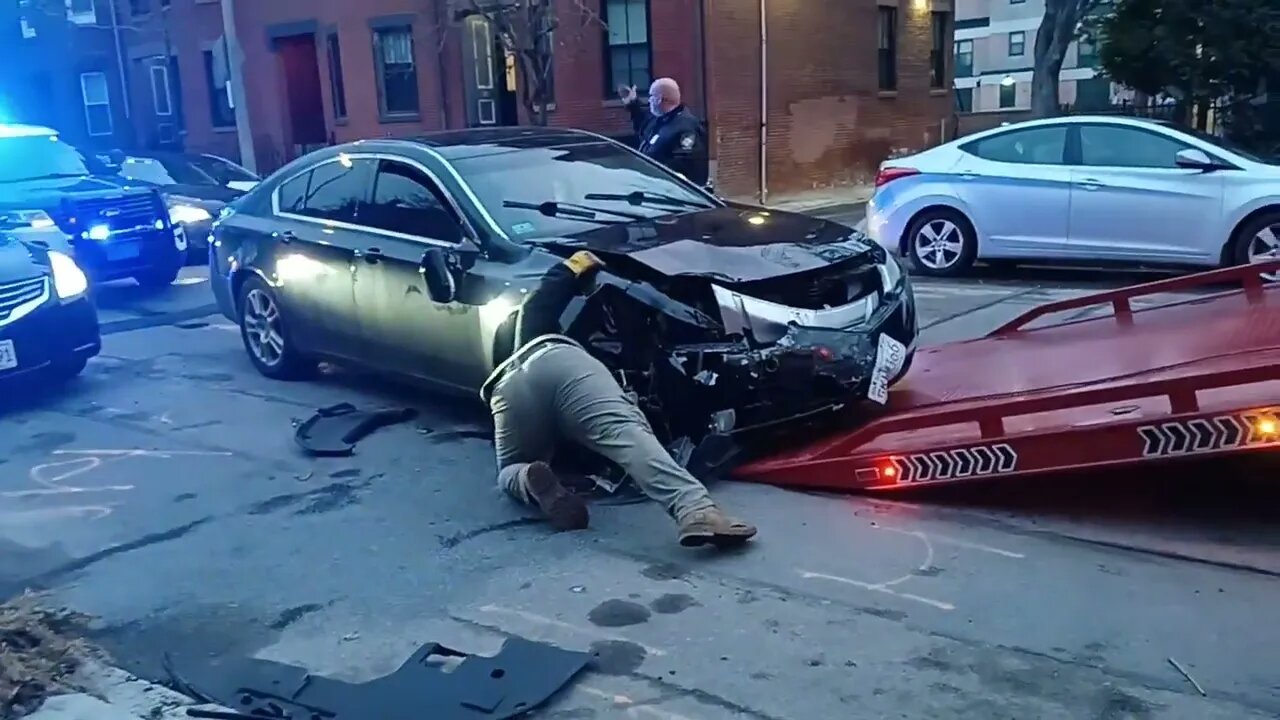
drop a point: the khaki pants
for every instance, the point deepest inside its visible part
(564, 393)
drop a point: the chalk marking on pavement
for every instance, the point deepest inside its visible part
(887, 586)
(635, 709)
(577, 629)
(945, 540)
(124, 452)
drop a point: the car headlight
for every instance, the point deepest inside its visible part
(34, 219)
(182, 213)
(890, 273)
(69, 280)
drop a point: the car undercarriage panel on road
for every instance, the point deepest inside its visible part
(1200, 377)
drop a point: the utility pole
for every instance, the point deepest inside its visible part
(236, 94)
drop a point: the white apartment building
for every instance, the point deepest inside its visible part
(994, 50)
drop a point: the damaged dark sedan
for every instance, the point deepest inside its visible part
(412, 256)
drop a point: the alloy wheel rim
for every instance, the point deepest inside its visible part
(1265, 246)
(262, 327)
(939, 244)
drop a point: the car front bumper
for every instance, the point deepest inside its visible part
(55, 334)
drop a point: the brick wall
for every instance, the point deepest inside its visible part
(828, 124)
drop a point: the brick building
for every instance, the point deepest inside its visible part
(797, 95)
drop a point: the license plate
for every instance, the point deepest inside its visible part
(8, 355)
(890, 356)
(122, 251)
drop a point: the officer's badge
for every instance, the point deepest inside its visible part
(687, 141)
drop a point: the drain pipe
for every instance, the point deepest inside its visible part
(764, 104)
(120, 66)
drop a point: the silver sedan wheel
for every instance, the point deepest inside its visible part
(262, 327)
(939, 244)
(1265, 246)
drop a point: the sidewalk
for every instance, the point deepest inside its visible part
(849, 196)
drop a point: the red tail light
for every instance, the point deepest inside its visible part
(889, 174)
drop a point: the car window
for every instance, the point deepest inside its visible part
(406, 200)
(293, 192)
(335, 189)
(1115, 146)
(147, 170)
(567, 175)
(222, 171)
(1032, 146)
(36, 157)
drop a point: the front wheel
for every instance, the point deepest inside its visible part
(941, 242)
(266, 339)
(1259, 241)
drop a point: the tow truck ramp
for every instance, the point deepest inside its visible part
(1196, 377)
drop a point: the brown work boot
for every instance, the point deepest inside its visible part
(712, 526)
(563, 509)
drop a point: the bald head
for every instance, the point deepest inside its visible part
(664, 95)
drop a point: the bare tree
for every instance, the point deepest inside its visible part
(527, 30)
(1058, 28)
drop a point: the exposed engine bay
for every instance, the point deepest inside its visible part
(704, 355)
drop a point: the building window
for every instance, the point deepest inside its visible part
(1086, 53)
(627, 54)
(337, 86)
(964, 100)
(161, 97)
(397, 76)
(82, 12)
(1008, 95)
(221, 114)
(1017, 43)
(97, 103)
(887, 48)
(938, 51)
(964, 58)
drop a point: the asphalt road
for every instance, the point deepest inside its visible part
(162, 493)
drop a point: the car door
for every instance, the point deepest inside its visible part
(1131, 201)
(407, 214)
(1017, 187)
(317, 238)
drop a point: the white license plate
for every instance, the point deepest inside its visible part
(890, 356)
(8, 355)
(122, 251)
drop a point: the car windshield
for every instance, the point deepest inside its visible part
(1223, 143)
(222, 171)
(158, 172)
(35, 157)
(570, 175)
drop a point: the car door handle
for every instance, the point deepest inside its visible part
(287, 237)
(371, 255)
(969, 176)
(1089, 184)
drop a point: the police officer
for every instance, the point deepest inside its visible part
(667, 131)
(551, 390)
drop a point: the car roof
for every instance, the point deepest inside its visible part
(8, 130)
(473, 142)
(1129, 120)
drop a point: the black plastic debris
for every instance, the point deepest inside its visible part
(335, 430)
(523, 676)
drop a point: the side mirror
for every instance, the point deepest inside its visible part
(1194, 159)
(438, 272)
(710, 186)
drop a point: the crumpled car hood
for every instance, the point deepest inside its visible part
(728, 244)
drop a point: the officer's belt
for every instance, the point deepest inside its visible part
(523, 356)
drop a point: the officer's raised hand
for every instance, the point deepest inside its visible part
(627, 94)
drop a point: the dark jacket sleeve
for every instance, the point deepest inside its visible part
(541, 310)
(689, 150)
(639, 114)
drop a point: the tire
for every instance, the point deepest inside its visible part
(274, 355)
(1252, 241)
(159, 277)
(942, 223)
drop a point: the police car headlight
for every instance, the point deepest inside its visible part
(182, 213)
(69, 280)
(890, 273)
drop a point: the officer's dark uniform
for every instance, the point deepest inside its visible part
(677, 139)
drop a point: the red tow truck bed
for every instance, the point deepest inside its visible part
(1196, 377)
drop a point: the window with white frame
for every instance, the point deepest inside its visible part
(627, 53)
(396, 71)
(97, 103)
(1017, 43)
(161, 97)
(964, 58)
(82, 12)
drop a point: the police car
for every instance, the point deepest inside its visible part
(48, 325)
(113, 228)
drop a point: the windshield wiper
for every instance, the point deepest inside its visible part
(50, 176)
(576, 211)
(639, 197)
